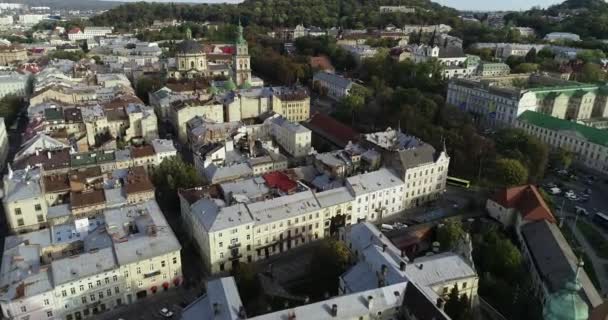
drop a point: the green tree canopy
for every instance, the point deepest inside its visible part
(510, 172)
(591, 73)
(170, 176)
(450, 233)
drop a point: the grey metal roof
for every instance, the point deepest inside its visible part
(336, 80)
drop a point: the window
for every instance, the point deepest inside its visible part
(40, 218)
(116, 290)
(138, 270)
(90, 285)
(109, 292)
(20, 222)
(92, 297)
(100, 295)
(81, 287)
(107, 280)
(18, 211)
(98, 283)
(37, 207)
(174, 260)
(64, 293)
(162, 264)
(46, 302)
(115, 278)
(221, 244)
(84, 299)
(73, 290)
(49, 314)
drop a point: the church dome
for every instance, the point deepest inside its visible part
(567, 304)
(189, 46)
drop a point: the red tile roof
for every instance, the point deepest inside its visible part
(321, 62)
(142, 152)
(332, 129)
(527, 200)
(280, 181)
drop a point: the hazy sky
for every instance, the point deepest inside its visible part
(496, 4)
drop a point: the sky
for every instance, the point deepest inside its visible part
(496, 4)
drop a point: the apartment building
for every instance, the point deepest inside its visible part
(184, 110)
(377, 195)
(24, 203)
(13, 83)
(294, 138)
(423, 169)
(142, 123)
(82, 268)
(493, 69)
(381, 284)
(293, 103)
(12, 54)
(500, 104)
(588, 144)
(336, 86)
(89, 33)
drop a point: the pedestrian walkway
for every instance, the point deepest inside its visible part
(599, 264)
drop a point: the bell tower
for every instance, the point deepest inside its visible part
(241, 61)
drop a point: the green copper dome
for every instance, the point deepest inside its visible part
(229, 85)
(246, 85)
(567, 304)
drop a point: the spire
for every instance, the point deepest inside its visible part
(239, 34)
(579, 266)
(188, 34)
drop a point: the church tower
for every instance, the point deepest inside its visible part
(241, 62)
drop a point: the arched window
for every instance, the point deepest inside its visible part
(192, 64)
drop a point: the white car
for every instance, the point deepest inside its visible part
(166, 313)
(555, 190)
(580, 210)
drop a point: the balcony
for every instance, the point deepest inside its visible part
(234, 245)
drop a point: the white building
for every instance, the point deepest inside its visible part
(401, 9)
(31, 19)
(80, 269)
(294, 138)
(182, 111)
(337, 86)
(3, 144)
(562, 36)
(377, 195)
(589, 145)
(526, 31)
(24, 203)
(13, 83)
(142, 122)
(6, 20)
(88, 33)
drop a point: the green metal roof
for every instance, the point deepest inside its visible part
(592, 135)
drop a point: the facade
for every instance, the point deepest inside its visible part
(12, 54)
(486, 69)
(89, 33)
(336, 86)
(294, 138)
(13, 83)
(293, 103)
(562, 36)
(589, 145)
(183, 111)
(24, 203)
(4, 145)
(401, 9)
(500, 105)
(241, 63)
(80, 269)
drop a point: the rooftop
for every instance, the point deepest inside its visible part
(527, 200)
(373, 181)
(591, 134)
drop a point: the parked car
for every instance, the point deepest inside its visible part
(581, 210)
(555, 190)
(165, 312)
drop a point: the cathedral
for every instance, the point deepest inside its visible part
(191, 61)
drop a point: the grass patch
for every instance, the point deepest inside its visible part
(595, 239)
(576, 247)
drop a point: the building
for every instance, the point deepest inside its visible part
(4, 144)
(360, 51)
(496, 69)
(293, 103)
(516, 206)
(552, 263)
(384, 285)
(334, 85)
(561, 36)
(439, 28)
(82, 268)
(12, 54)
(31, 19)
(294, 138)
(142, 123)
(13, 83)
(496, 102)
(185, 110)
(23, 200)
(401, 9)
(589, 145)
(241, 60)
(89, 33)
(423, 169)
(526, 31)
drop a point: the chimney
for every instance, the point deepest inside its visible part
(370, 302)
(48, 154)
(440, 303)
(242, 314)
(402, 265)
(37, 152)
(334, 310)
(384, 247)
(216, 308)
(421, 266)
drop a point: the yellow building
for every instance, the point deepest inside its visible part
(11, 54)
(292, 103)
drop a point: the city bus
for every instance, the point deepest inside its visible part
(458, 182)
(601, 219)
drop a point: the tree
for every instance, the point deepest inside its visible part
(593, 56)
(531, 56)
(457, 305)
(591, 73)
(170, 176)
(526, 68)
(329, 261)
(510, 172)
(10, 106)
(145, 85)
(450, 233)
(562, 158)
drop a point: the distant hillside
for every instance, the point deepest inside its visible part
(587, 18)
(279, 13)
(71, 4)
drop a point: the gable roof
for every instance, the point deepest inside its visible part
(591, 134)
(527, 200)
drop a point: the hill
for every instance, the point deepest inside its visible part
(280, 13)
(71, 4)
